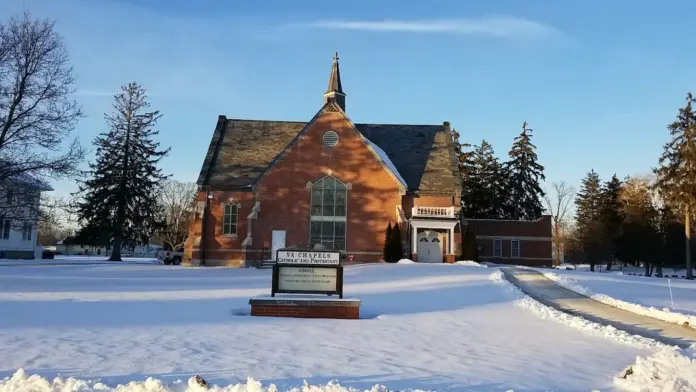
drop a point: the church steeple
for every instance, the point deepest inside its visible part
(335, 90)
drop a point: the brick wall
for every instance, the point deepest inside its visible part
(534, 239)
(284, 198)
(335, 312)
(537, 228)
(221, 249)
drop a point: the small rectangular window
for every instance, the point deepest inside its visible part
(327, 229)
(10, 196)
(315, 228)
(497, 248)
(5, 234)
(229, 219)
(515, 248)
(26, 231)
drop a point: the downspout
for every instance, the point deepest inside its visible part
(204, 231)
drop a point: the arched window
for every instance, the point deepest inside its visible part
(328, 213)
(229, 219)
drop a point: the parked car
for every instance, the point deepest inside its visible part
(169, 257)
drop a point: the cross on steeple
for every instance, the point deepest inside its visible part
(335, 90)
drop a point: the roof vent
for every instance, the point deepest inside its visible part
(330, 139)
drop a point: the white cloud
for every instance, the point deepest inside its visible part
(498, 26)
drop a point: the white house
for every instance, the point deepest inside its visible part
(19, 202)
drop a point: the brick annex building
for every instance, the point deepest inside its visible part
(266, 185)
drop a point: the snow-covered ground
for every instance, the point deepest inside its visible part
(433, 327)
(648, 296)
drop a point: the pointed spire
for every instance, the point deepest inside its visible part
(335, 90)
(335, 78)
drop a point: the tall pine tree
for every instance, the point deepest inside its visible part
(611, 218)
(676, 175)
(524, 174)
(588, 204)
(120, 195)
(484, 184)
(461, 150)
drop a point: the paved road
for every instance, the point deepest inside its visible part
(537, 286)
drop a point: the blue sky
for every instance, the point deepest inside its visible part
(597, 80)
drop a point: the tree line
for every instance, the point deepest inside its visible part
(124, 198)
(641, 221)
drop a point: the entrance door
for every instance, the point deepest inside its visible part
(429, 247)
(277, 242)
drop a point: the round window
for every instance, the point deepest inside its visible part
(330, 139)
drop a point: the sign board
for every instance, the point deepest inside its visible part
(307, 279)
(351, 257)
(307, 272)
(304, 257)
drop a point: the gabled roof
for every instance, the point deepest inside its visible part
(423, 154)
(28, 180)
(241, 151)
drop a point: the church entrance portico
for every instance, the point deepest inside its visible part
(432, 240)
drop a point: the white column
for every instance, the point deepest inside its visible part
(451, 241)
(414, 235)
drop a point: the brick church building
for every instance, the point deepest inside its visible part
(267, 185)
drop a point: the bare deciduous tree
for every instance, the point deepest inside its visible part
(558, 205)
(176, 203)
(52, 221)
(37, 114)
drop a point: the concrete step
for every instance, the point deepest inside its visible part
(268, 264)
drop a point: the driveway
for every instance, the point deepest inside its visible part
(537, 286)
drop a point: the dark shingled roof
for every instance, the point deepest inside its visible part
(423, 154)
(243, 149)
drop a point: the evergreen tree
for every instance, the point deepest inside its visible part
(524, 174)
(469, 246)
(386, 251)
(396, 251)
(484, 185)
(461, 151)
(673, 236)
(588, 203)
(641, 240)
(120, 195)
(611, 218)
(676, 175)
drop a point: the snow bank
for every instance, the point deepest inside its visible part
(406, 261)
(20, 381)
(669, 369)
(470, 263)
(661, 314)
(576, 322)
